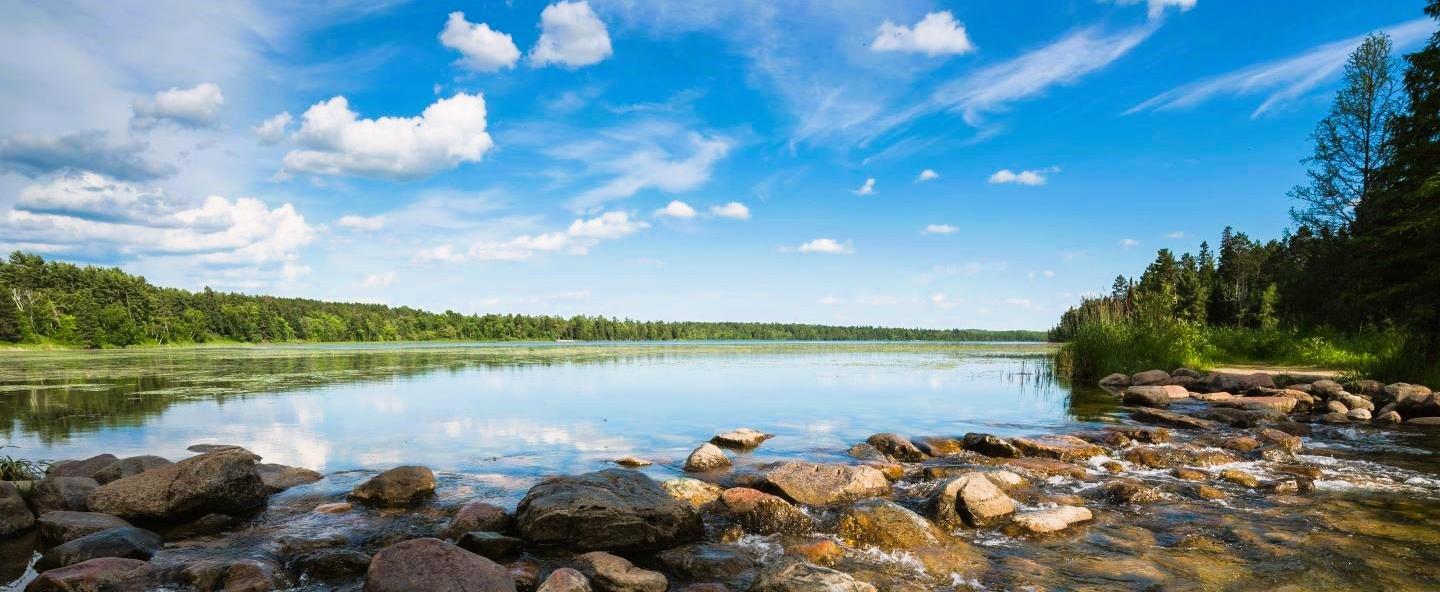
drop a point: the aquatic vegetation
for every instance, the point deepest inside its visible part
(20, 469)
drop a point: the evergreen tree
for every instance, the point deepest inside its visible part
(10, 321)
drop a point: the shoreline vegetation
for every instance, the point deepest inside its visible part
(1355, 286)
(57, 305)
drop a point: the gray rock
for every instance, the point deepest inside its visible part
(225, 482)
(792, 575)
(609, 573)
(742, 438)
(1116, 380)
(479, 516)
(15, 516)
(990, 445)
(70, 494)
(707, 457)
(823, 485)
(278, 478)
(62, 527)
(1147, 396)
(396, 487)
(490, 545)
(329, 565)
(971, 499)
(226, 575)
(81, 468)
(1149, 377)
(127, 467)
(613, 509)
(123, 542)
(434, 565)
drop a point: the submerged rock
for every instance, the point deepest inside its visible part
(434, 565)
(1047, 467)
(1116, 380)
(1126, 491)
(605, 510)
(695, 492)
(105, 574)
(896, 446)
(124, 542)
(224, 482)
(971, 499)
(1058, 447)
(707, 457)
(1240, 477)
(938, 446)
(823, 485)
(1052, 520)
(791, 575)
(278, 478)
(990, 445)
(615, 574)
(1172, 419)
(216, 575)
(711, 562)
(741, 438)
(632, 462)
(329, 565)
(396, 487)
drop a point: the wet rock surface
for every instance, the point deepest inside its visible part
(225, 481)
(607, 510)
(434, 565)
(821, 485)
(396, 487)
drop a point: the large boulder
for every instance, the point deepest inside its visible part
(62, 527)
(127, 467)
(55, 494)
(1058, 447)
(971, 499)
(742, 438)
(434, 565)
(707, 457)
(613, 509)
(225, 574)
(278, 478)
(1281, 404)
(1215, 382)
(1413, 400)
(110, 574)
(124, 542)
(711, 562)
(888, 525)
(1146, 396)
(695, 492)
(81, 468)
(615, 574)
(480, 516)
(1149, 377)
(1116, 380)
(897, 447)
(330, 565)
(490, 545)
(225, 482)
(793, 575)
(396, 487)
(823, 485)
(15, 516)
(989, 445)
(761, 513)
(1171, 419)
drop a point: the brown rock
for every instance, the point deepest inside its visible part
(1052, 520)
(127, 467)
(1292, 444)
(61, 527)
(1046, 467)
(1188, 474)
(1241, 478)
(565, 580)
(1058, 447)
(81, 468)
(434, 565)
(278, 478)
(896, 446)
(990, 445)
(707, 457)
(1149, 377)
(396, 487)
(822, 485)
(971, 499)
(223, 482)
(819, 552)
(695, 492)
(742, 438)
(612, 509)
(791, 575)
(888, 525)
(105, 574)
(1172, 419)
(632, 462)
(938, 446)
(1241, 443)
(614, 574)
(762, 513)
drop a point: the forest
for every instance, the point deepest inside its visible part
(1354, 283)
(57, 303)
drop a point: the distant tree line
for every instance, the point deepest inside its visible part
(1364, 255)
(55, 302)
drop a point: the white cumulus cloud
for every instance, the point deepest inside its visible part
(733, 210)
(940, 229)
(272, 131)
(676, 209)
(936, 34)
(866, 188)
(335, 141)
(485, 49)
(1156, 8)
(378, 280)
(1027, 177)
(190, 107)
(577, 239)
(927, 175)
(570, 36)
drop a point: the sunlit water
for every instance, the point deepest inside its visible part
(493, 419)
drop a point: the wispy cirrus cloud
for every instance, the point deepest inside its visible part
(1281, 81)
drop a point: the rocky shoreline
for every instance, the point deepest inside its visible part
(903, 513)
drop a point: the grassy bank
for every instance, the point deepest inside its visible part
(1102, 347)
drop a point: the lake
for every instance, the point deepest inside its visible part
(494, 418)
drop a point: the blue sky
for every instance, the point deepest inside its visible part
(912, 163)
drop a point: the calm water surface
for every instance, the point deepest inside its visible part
(493, 419)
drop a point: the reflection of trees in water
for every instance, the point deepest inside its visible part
(1035, 376)
(53, 395)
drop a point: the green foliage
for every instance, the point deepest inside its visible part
(1130, 345)
(10, 328)
(96, 307)
(20, 469)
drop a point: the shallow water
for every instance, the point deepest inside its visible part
(493, 419)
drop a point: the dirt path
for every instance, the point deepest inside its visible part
(1268, 369)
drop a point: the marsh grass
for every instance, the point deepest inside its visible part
(20, 469)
